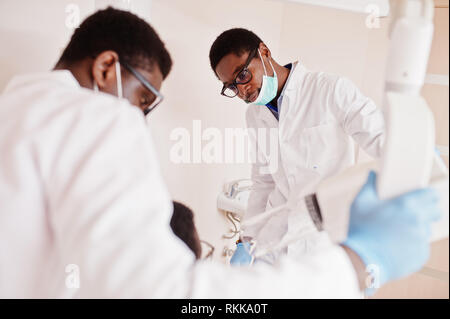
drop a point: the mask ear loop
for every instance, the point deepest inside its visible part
(265, 71)
(119, 80)
(270, 62)
(273, 69)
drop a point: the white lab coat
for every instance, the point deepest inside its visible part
(320, 117)
(81, 197)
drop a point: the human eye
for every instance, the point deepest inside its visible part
(144, 101)
(243, 76)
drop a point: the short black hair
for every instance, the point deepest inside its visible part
(133, 39)
(237, 41)
(183, 226)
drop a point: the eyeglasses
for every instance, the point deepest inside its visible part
(158, 96)
(243, 77)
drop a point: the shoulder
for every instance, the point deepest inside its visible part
(99, 105)
(84, 109)
(55, 99)
(334, 86)
(344, 84)
(323, 80)
(83, 118)
(104, 119)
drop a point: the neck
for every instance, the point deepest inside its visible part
(79, 71)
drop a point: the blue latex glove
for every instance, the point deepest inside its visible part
(392, 236)
(437, 151)
(241, 256)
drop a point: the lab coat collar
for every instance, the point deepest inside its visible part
(64, 77)
(266, 116)
(291, 84)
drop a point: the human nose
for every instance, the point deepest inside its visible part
(242, 90)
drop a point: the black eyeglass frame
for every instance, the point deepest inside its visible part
(235, 83)
(158, 96)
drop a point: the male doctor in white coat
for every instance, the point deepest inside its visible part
(318, 117)
(84, 212)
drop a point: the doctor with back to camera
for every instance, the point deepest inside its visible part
(319, 116)
(84, 212)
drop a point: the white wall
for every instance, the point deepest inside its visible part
(34, 33)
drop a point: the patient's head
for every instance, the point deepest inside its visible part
(183, 226)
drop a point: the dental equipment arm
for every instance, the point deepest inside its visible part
(408, 161)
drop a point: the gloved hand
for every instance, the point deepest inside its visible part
(393, 235)
(437, 151)
(241, 256)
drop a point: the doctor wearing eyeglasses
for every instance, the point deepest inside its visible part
(85, 212)
(320, 119)
(107, 76)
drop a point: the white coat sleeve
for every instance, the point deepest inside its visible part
(110, 217)
(360, 117)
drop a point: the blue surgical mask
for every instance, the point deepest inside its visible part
(269, 86)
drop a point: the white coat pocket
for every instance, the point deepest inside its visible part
(328, 149)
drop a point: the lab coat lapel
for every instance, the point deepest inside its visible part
(267, 117)
(289, 93)
(288, 111)
(269, 121)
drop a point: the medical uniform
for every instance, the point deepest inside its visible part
(319, 119)
(84, 212)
